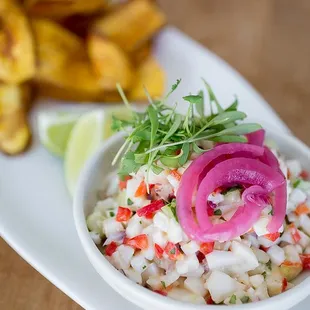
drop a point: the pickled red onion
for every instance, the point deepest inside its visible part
(226, 165)
(256, 137)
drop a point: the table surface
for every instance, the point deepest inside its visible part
(267, 41)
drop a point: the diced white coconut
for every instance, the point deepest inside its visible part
(287, 237)
(245, 253)
(222, 260)
(190, 248)
(260, 227)
(265, 242)
(174, 232)
(276, 254)
(154, 283)
(149, 253)
(185, 296)
(244, 278)
(187, 264)
(134, 227)
(305, 223)
(161, 221)
(256, 280)
(220, 285)
(246, 242)
(294, 166)
(195, 285)
(304, 239)
(216, 198)
(94, 222)
(299, 248)
(258, 270)
(159, 237)
(290, 206)
(251, 294)
(261, 292)
(126, 254)
(152, 271)
(111, 226)
(297, 196)
(173, 182)
(112, 184)
(261, 256)
(95, 236)
(253, 240)
(292, 217)
(139, 263)
(170, 277)
(291, 253)
(232, 198)
(196, 273)
(133, 275)
(228, 214)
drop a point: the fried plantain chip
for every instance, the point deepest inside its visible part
(14, 130)
(131, 25)
(111, 64)
(150, 75)
(62, 8)
(63, 62)
(17, 62)
(141, 53)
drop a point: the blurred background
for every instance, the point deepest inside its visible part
(267, 41)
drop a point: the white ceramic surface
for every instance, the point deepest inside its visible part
(35, 209)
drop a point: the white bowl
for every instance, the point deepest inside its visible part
(92, 180)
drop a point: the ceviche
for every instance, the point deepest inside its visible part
(202, 208)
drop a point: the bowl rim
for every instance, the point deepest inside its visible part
(136, 293)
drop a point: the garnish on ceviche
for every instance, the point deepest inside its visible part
(202, 210)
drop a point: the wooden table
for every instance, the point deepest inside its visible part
(267, 41)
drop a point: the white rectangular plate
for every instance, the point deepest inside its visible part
(36, 214)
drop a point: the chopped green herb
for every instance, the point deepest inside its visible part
(217, 212)
(170, 210)
(271, 212)
(152, 135)
(268, 264)
(245, 299)
(143, 267)
(172, 251)
(296, 183)
(264, 274)
(112, 213)
(129, 202)
(233, 299)
(140, 222)
(163, 284)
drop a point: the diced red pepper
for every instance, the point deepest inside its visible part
(151, 208)
(304, 175)
(284, 284)
(141, 190)
(209, 300)
(302, 208)
(160, 292)
(110, 249)
(305, 258)
(272, 237)
(172, 251)
(218, 190)
(263, 248)
(123, 214)
(139, 242)
(206, 247)
(176, 174)
(294, 232)
(159, 251)
(200, 256)
(123, 183)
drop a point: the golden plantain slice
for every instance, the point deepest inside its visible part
(141, 53)
(14, 130)
(63, 62)
(131, 25)
(17, 61)
(110, 63)
(150, 75)
(62, 8)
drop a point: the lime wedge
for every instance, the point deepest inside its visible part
(88, 133)
(54, 130)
